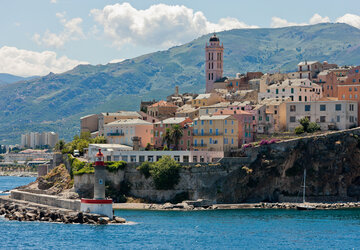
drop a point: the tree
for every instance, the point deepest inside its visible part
(99, 140)
(305, 123)
(167, 139)
(313, 127)
(60, 145)
(176, 134)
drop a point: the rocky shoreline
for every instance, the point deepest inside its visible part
(205, 205)
(18, 174)
(22, 211)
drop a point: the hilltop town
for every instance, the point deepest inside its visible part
(234, 113)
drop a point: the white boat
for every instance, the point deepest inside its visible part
(304, 206)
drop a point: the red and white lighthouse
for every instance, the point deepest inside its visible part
(99, 204)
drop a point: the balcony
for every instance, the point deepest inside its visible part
(208, 134)
(199, 145)
(115, 134)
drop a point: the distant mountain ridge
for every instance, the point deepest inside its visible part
(8, 78)
(57, 101)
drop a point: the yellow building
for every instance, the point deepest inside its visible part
(206, 100)
(215, 133)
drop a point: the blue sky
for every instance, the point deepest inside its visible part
(55, 35)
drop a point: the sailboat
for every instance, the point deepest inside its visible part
(304, 206)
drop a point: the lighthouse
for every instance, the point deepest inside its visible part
(99, 204)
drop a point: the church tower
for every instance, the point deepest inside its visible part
(214, 55)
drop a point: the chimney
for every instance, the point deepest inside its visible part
(176, 90)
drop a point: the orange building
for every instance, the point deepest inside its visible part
(350, 89)
(330, 79)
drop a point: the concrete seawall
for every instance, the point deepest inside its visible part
(49, 200)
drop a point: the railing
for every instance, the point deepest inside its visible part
(208, 134)
(115, 134)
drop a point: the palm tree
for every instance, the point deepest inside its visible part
(176, 134)
(167, 139)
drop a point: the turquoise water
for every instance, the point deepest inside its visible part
(231, 229)
(10, 182)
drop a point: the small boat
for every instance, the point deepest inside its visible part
(304, 206)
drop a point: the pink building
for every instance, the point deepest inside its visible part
(160, 129)
(246, 131)
(214, 55)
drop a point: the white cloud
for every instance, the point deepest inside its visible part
(116, 60)
(53, 1)
(277, 22)
(316, 18)
(351, 19)
(72, 31)
(28, 63)
(160, 25)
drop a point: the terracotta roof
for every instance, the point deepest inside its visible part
(163, 103)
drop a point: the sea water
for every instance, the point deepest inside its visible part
(216, 229)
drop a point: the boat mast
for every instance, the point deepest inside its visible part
(304, 185)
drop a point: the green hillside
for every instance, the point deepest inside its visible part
(57, 101)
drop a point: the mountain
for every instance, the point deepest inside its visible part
(57, 101)
(8, 78)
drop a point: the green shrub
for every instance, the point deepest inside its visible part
(299, 130)
(114, 166)
(87, 169)
(305, 123)
(144, 168)
(165, 173)
(313, 127)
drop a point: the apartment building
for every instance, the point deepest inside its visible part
(206, 100)
(302, 90)
(309, 70)
(105, 118)
(246, 132)
(162, 110)
(123, 132)
(186, 140)
(38, 140)
(329, 114)
(215, 133)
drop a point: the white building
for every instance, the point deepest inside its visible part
(328, 114)
(302, 90)
(36, 140)
(115, 152)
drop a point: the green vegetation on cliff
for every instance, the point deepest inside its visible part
(56, 102)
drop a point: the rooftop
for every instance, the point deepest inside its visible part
(294, 83)
(173, 120)
(163, 103)
(111, 146)
(203, 96)
(212, 117)
(129, 122)
(307, 63)
(232, 112)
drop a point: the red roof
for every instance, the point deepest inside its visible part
(163, 103)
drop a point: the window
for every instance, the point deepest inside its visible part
(267, 118)
(283, 90)
(350, 89)
(322, 118)
(292, 90)
(277, 91)
(232, 122)
(225, 131)
(195, 122)
(354, 80)
(338, 118)
(253, 118)
(268, 90)
(225, 122)
(195, 131)
(292, 119)
(189, 133)
(299, 98)
(232, 141)
(195, 142)
(210, 122)
(226, 141)
(202, 132)
(182, 142)
(322, 107)
(350, 96)
(260, 118)
(351, 118)
(355, 89)
(356, 96)
(292, 108)
(232, 131)
(202, 122)
(217, 131)
(305, 98)
(343, 96)
(307, 107)
(210, 131)
(351, 107)
(210, 141)
(338, 107)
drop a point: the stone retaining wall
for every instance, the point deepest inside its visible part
(49, 200)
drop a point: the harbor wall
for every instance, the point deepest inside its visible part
(267, 173)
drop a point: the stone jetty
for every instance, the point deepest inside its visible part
(27, 211)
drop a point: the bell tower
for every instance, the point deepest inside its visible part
(214, 55)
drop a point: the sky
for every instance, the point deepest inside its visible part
(43, 36)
